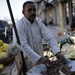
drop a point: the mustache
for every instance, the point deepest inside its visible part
(33, 15)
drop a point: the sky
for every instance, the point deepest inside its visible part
(16, 6)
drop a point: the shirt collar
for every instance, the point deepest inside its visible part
(28, 21)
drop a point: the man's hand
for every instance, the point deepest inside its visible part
(44, 60)
(61, 57)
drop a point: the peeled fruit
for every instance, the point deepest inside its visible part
(1, 67)
(69, 51)
(2, 54)
(5, 47)
(67, 56)
(70, 55)
(1, 42)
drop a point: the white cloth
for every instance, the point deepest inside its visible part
(31, 35)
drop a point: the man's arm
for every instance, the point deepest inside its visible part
(49, 38)
(47, 35)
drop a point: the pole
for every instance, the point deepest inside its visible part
(70, 13)
(60, 15)
(24, 68)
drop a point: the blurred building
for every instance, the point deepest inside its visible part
(48, 11)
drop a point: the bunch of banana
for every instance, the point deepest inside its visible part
(3, 53)
(70, 54)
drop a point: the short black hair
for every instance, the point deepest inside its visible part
(27, 2)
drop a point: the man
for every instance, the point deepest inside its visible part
(31, 31)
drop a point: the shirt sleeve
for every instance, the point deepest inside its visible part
(48, 37)
(34, 57)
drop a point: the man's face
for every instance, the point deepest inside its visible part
(30, 12)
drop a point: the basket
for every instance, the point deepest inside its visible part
(7, 60)
(12, 51)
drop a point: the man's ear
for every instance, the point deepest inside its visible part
(23, 12)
